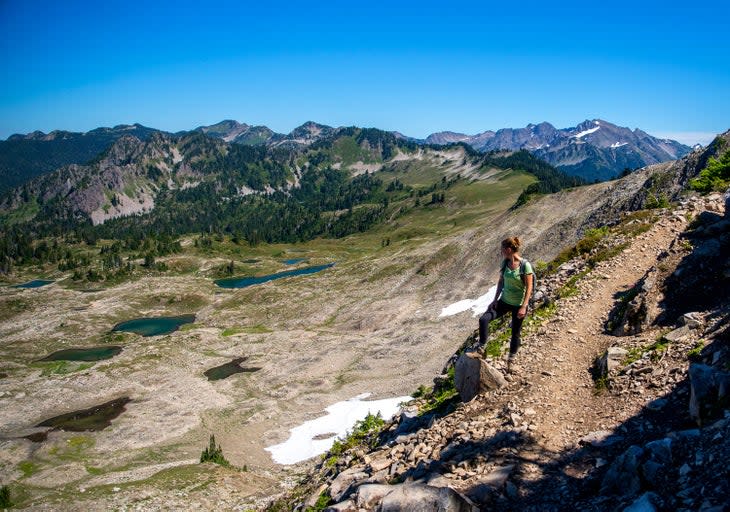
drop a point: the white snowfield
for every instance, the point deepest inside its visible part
(586, 132)
(618, 144)
(342, 416)
(477, 306)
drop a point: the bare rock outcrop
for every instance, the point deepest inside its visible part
(473, 375)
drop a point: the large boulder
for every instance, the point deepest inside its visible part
(346, 482)
(710, 392)
(623, 478)
(414, 497)
(612, 359)
(473, 375)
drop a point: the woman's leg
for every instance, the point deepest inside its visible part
(488, 316)
(514, 344)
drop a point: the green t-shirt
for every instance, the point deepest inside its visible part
(514, 289)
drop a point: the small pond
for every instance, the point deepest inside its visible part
(226, 370)
(154, 326)
(84, 354)
(94, 418)
(35, 283)
(294, 261)
(243, 282)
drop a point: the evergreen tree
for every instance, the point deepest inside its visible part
(213, 453)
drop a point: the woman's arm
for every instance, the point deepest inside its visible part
(500, 285)
(528, 293)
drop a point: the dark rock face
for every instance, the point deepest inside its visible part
(710, 392)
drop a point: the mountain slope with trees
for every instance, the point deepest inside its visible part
(23, 157)
(171, 185)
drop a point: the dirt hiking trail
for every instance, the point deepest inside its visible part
(552, 396)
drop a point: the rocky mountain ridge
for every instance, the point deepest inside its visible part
(23, 157)
(240, 133)
(129, 176)
(123, 181)
(594, 149)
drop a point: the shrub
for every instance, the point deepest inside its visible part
(322, 503)
(5, 497)
(214, 453)
(654, 201)
(441, 395)
(364, 432)
(421, 391)
(714, 177)
(694, 354)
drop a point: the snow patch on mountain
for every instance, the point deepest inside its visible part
(586, 132)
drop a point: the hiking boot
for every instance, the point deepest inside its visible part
(511, 367)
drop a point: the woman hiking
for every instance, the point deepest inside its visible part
(515, 287)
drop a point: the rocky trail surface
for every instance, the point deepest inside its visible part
(559, 436)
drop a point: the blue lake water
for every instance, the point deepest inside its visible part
(84, 354)
(243, 282)
(294, 261)
(35, 283)
(154, 326)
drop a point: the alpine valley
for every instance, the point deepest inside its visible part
(126, 343)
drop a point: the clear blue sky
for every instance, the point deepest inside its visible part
(415, 67)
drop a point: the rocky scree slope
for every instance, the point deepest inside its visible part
(620, 400)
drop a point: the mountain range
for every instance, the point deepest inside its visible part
(201, 180)
(594, 150)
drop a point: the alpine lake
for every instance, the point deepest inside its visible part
(154, 326)
(35, 283)
(243, 282)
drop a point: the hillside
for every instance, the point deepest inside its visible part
(176, 184)
(369, 324)
(23, 157)
(562, 435)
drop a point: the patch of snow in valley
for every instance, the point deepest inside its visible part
(618, 144)
(478, 305)
(342, 416)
